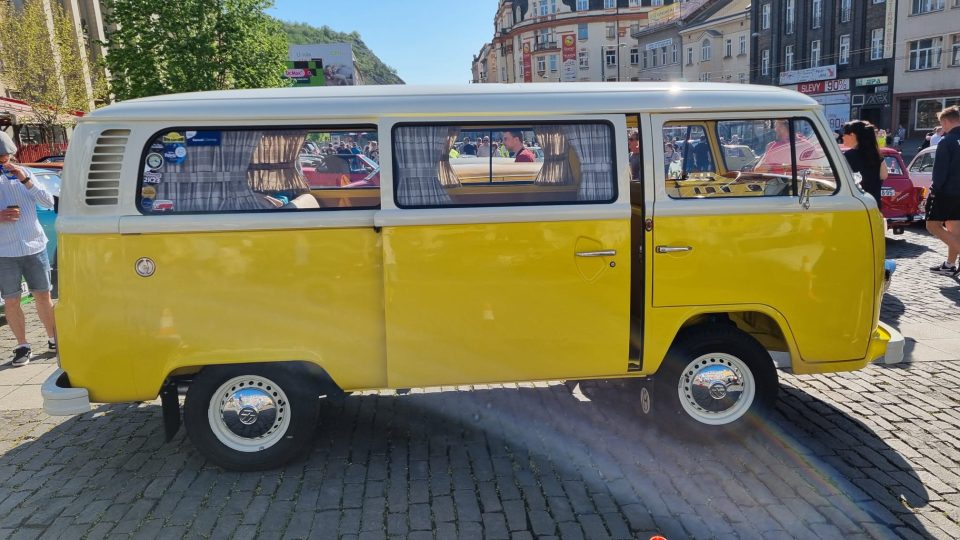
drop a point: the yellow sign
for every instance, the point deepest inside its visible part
(663, 14)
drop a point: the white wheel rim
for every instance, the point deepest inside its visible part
(249, 413)
(716, 389)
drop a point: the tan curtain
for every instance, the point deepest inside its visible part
(556, 166)
(275, 165)
(445, 172)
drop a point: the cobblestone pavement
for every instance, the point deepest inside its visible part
(869, 454)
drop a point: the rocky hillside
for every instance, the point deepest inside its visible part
(373, 70)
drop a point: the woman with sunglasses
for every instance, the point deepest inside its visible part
(864, 156)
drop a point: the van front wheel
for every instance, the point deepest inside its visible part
(250, 417)
(714, 379)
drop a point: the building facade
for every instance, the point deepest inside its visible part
(660, 45)
(716, 43)
(841, 52)
(564, 41)
(927, 63)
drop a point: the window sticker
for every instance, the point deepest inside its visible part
(154, 161)
(148, 192)
(174, 148)
(203, 138)
(151, 177)
(163, 206)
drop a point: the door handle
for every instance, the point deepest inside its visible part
(601, 253)
(673, 249)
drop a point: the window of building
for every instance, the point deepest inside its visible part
(646, 61)
(503, 74)
(743, 78)
(582, 33)
(878, 1)
(634, 55)
(609, 4)
(844, 49)
(583, 58)
(553, 62)
(663, 55)
(845, 10)
(267, 169)
(743, 45)
(925, 6)
(653, 58)
(581, 156)
(927, 109)
(583, 5)
(705, 50)
(925, 53)
(788, 58)
(689, 56)
(544, 8)
(790, 16)
(610, 55)
(765, 17)
(817, 19)
(728, 48)
(815, 53)
(541, 65)
(611, 30)
(675, 55)
(955, 50)
(876, 44)
(765, 62)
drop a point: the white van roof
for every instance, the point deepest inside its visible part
(411, 100)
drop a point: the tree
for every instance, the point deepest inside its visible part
(161, 47)
(42, 62)
(373, 69)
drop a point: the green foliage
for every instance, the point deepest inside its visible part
(52, 84)
(371, 68)
(162, 47)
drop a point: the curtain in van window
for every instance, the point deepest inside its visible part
(592, 144)
(420, 150)
(448, 177)
(556, 167)
(214, 178)
(275, 165)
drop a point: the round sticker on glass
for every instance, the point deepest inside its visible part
(154, 161)
(148, 192)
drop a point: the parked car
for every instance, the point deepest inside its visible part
(902, 199)
(339, 170)
(921, 167)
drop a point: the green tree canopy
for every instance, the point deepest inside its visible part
(373, 70)
(46, 70)
(162, 47)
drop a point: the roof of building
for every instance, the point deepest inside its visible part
(486, 99)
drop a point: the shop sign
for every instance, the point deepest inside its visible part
(658, 44)
(824, 87)
(810, 74)
(877, 99)
(872, 81)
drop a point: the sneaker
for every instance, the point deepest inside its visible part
(51, 345)
(944, 269)
(21, 356)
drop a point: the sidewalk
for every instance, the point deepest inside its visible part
(20, 387)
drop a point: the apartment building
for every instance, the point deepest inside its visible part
(564, 41)
(927, 63)
(840, 52)
(715, 43)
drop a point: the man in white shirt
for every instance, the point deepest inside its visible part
(937, 135)
(23, 250)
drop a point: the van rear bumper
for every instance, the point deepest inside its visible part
(59, 399)
(886, 346)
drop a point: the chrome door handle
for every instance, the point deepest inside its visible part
(601, 253)
(673, 249)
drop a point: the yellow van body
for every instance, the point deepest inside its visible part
(395, 298)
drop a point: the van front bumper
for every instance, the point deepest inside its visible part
(59, 399)
(886, 347)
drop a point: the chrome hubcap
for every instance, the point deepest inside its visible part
(716, 388)
(249, 413)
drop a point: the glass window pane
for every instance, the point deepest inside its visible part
(513, 165)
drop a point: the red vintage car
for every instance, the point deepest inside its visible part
(902, 199)
(339, 170)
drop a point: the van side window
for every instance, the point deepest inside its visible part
(756, 158)
(504, 164)
(281, 169)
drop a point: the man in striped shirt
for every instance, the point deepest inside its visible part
(23, 250)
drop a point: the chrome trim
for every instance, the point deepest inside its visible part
(673, 249)
(601, 253)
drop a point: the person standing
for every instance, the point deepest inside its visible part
(23, 250)
(937, 136)
(864, 156)
(513, 141)
(943, 203)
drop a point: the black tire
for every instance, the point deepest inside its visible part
(721, 350)
(275, 432)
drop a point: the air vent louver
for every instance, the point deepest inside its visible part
(103, 177)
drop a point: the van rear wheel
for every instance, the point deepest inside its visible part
(250, 417)
(714, 380)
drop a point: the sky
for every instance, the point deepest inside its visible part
(426, 41)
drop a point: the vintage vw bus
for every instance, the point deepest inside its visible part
(196, 260)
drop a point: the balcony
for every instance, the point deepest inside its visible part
(544, 45)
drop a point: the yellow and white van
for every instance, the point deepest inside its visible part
(206, 250)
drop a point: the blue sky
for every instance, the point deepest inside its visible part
(426, 41)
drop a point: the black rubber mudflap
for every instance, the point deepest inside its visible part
(171, 410)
